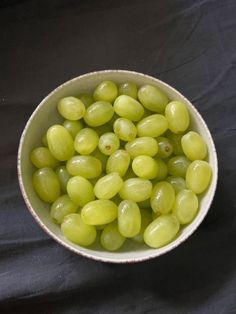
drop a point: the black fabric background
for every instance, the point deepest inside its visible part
(189, 44)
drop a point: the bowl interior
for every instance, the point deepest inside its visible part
(46, 114)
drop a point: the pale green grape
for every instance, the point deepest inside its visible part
(163, 197)
(145, 167)
(175, 140)
(103, 158)
(177, 116)
(129, 218)
(162, 170)
(98, 113)
(129, 108)
(80, 190)
(118, 162)
(142, 146)
(73, 127)
(178, 183)
(88, 167)
(194, 146)
(129, 89)
(46, 184)
(111, 239)
(161, 231)
(153, 125)
(106, 91)
(60, 142)
(146, 219)
(178, 165)
(125, 129)
(136, 189)
(198, 176)
(86, 141)
(99, 212)
(165, 148)
(62, 207)
(63, 177)
(108, 186)
(42, 157)
(86, 99)
(186, 206)
(71, 108)
(108, 143)
(44, 140)
(75, 230)
(152, 98)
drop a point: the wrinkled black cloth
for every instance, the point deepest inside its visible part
(190, 44)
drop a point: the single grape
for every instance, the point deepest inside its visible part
(111, 239)
(86, 141)
(98, 113)
(194, 146)
(129, 89)
(80, 190)
(177, 116)
(178, 183)
(63, 177)
(175, 140)
(178, 165)
(152, 98)
(125, 129)
(108, 143)
(136, 189)
(103, 158)
(142, 146)
(198, 176)
(165, 148)
(41, 157)
(145, 167)
(88, 167)
(129, 108)
(129, 218)
(62, 207)
(86, 99)
(118, 162)
(153, 125)
(162, 170)
(108, 186)
(71, 108)
(106, 91)
(146, 219)
(73, 127)
(163, 197)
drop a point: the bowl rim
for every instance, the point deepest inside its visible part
(166, 248)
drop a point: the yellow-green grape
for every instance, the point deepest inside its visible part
(118, 162)
(125, 129)
(99, 212)
(80, 190)
(75, 230)
(44, 140)
(145, 204)
(136, 189)
(63, 177)
(129, 218)
(198, 176)
(73, 127)
(98, 113)
(129, 108)
(62, 207)
(152, 98)
(165, 148)
(177, 116)
(153, 125)
(178, 183)
(177, 166)
(103, 158)
(108, 143)
(71, 108)
(142, 146)
(86, 141)
(60, 142)
(86, 99)
(145, 167)
(46, 184)
(146, 219)
(186, 206)
(108, 186)
(111, 239)
(194, 146)
(162, 170)
(175, 140)
(129, 89)
(106, 91)
(88, 167)
(161, 231)
(41, 157)
(163, 197)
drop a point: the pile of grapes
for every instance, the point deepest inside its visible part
(123, 164)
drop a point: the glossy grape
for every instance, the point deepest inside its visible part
(129, 89)
(175, 140)
(88, 167)
(136, 189)
(111, 239)
(129, 218)
(194, 146)
(129, 108)
(165, 148)
(125, 129)
(62, 207)
(177, 166)
(198, 176)
(108, 143)
(71, 108)
(142, 146)
(98, 113)
(63, 177)
(178, 183)
(106, 91)
(152, 98)
(145, 167)
(80, 190)
(42, 157)
(177, 116)
(163, 197)
(153, 125)
(73, 127)
(86, 141)
(108, 186)
(86, 99)
(118, 162)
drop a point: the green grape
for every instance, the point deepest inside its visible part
(194, 146)
(145, 167)
(111, 239)
(198, 176)
(46, 184)
(185, 207)
(41, 157)
(142, 146)
(163, 197)
(129, 108)
(86, 141)
(177, 166)
(86, 99)
(129, 89)
(99, 212)
(161, 231)
(106, 91)
(129, 218)
(146, 219)
(118, 162)
(80, 190)
(153, 125)
(152, 98)
(75, 230)
(71, 108)
(144, 204)
(44, 140)
(162, 170)
(177, 116)
(103, 158)
(136, 189)
(62, 207)
(108, 143)
(88, 167)
(73, 127)
(125, 129)
(175, 140)
(108, 186)
(178, 183)
(63, 177)
(60, 142)
(165, 148)
(98, 113)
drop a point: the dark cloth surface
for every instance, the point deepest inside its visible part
(187, 43)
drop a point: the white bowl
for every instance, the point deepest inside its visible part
(46, 114)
